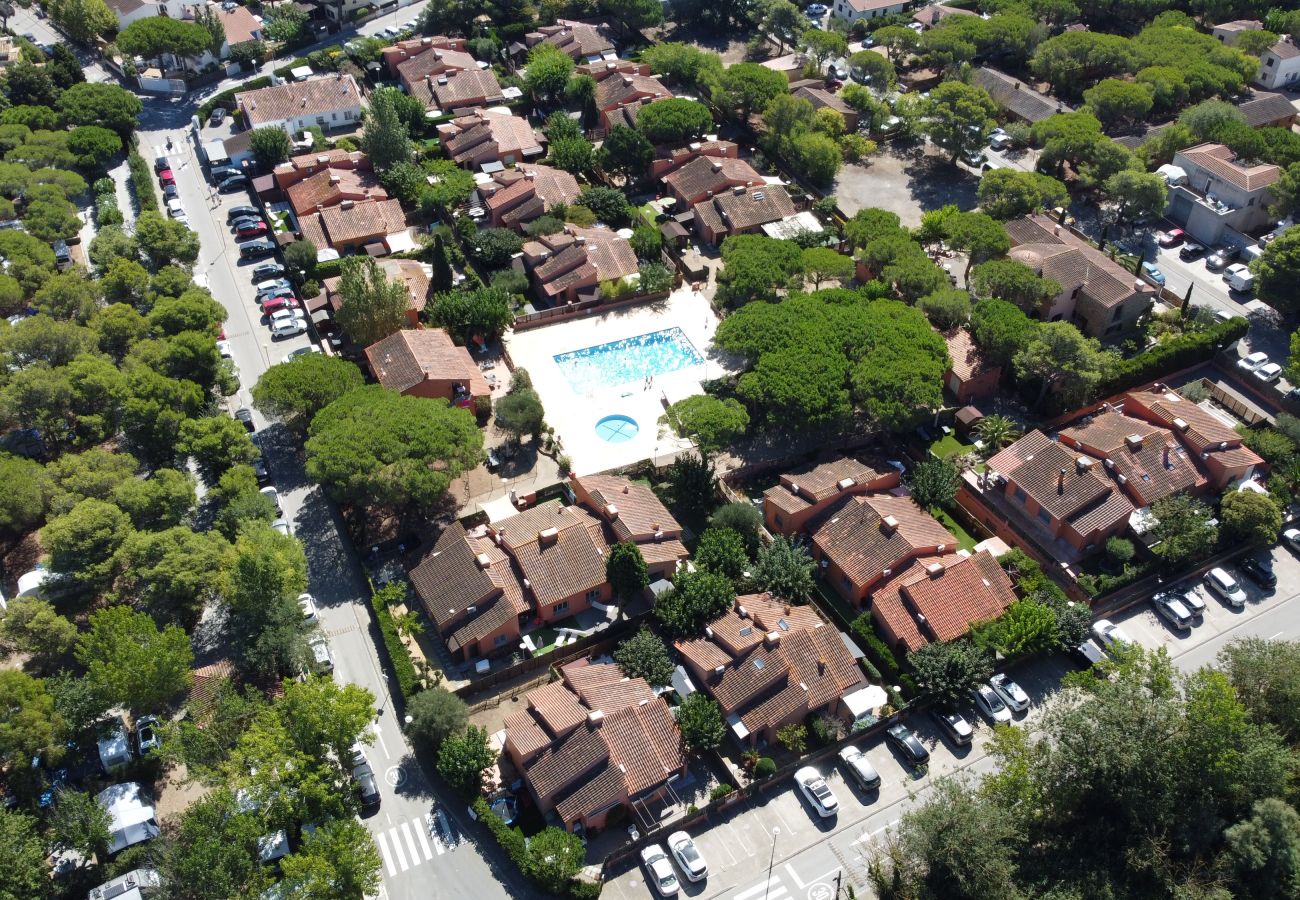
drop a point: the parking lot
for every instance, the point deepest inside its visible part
(783, 828)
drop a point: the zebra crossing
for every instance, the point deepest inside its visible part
(768, 889)
(408, 845)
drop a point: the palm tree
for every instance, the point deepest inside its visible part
(996, 432)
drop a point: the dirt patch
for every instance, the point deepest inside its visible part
(729, 46)
(906, 179)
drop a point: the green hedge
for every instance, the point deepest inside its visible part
(142, 181)
(226, 97)
(1172, 355)
(878, 652)
(515, 846)
(408, 682)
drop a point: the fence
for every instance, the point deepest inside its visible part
(1132, 594)
(586, 307)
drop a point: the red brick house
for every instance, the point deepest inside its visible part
(411, 272)
(971, 376)
(868, 538)
(940, 598)
(570, 265)
(482, 136)
(424, 362)
(706, 175)
(580, 40)
(741, 210)
(350, 225)
(1214, 443)
(1148, 461)
(622, 88)
(633, 513)
(807, 492)
(517, 196)
(593, 742)
(821, 98)
(769, 664)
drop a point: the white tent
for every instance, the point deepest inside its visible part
(130, 813)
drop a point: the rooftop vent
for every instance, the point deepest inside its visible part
(794, 488)
(772, 638)
(1134, 441)
(716, 166)
(889, 524)
(846, 483)
(708, 632)
(335, 178)
(758, 195)
(1083, 464)
(934, 570)
(346, 204)
(718, 670)
(742, 612)
(442, 79)
(627, 81)
(611, 510)
(548, 535)
(484, 561)
(595, 717)
(738, 189)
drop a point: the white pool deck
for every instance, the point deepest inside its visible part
(574, 415)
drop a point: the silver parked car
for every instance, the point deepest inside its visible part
(1170, 608)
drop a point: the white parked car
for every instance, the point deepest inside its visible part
(1109, 635)
(174, 208)
(688, 856)
(659, 871)
(1170, 608)
(991, 706)
(1291, 537)
(308, 604)
(273, 495)
(1191, 599)
(1268, 373)
(1012, 694)
(320, 654)
(288, 328)
(282, 525)
(225, 349)
(818, 792)
(1253, 361)
(1227, 587)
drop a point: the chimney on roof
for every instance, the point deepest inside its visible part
(426, 42)
(548, 536)
(595, 717)
(742, 612)
(718, 670)
(715, 166)
(1060, 482)
(484, 561)
(611, 510)
(335, 178)
(889, 525)
(304, 102)
(794, 488)
(1134, 441)
(1017, 85)
(1082, 464)
(934, 570)
(846, 483)
(346, 204)
(772, 638)
(1180, 423)
(821, 667)
(708, 632)
(738, 189)
(627, 81)
(1223, 445)
(470, 610)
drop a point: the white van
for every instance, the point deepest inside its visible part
(1239, 277)
(174, 208)
(1227, 587)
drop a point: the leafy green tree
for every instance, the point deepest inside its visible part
(483, 311)
(785, 570)
(520, 412)
(1025, 628)
(959, 117)
(714, 424)
(435, 714)
(949, 670)
(24, 500)
(1076, 60)
(1014, 282)
(746, 87)
(743, 519)
(1278, 271)
(174, 573)
(129, 661)
(30, 724)
(978, 235)
(264, 622)
(680, 63)
(101, 103)
(644, 655)
(696, 600)
(94, 146)
(609, 205)
(373, 306)
(239, 501)
(1059, 356)
(338, 859)
(320, 714)
(82, 542)
(215, 849)
(165, 241)
(1011, 193)
(548, 71)
(31, 625)
(494, 246)
(384, 135)
(794, 737)
(374, 447)
(295, 390)
(83, 20)
(755, 267)
(1263, 852)
(1250, 518)
(946, 308)
(216, 443)
(300, 259)
(625, 569)
(163, 500)
(464, 757)
(781, 20)
(934, 483)
(1116, 102)
(817, 155)
(555, 855)
(79, 824)
(823, 263)
(898, 41)
(701, 724)
(158, 35)
(1135, 196)
(674, 121)
(996, 432)
(270, 145)
(1266, 676)
(23, 871)
(572, 154)
(871, 224)
(691, 483)
(722, 552)
(1184, 531)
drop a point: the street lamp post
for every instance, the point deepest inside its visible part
(767, 887)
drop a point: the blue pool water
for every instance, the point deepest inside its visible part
(629, 361)
(617, 428)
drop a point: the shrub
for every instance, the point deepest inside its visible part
(400, 660)
(875, 648)
(720, 790)
(142, 182)
(1171, 356)
(765, 768)
(512, 841)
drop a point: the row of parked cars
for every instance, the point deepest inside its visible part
(1236, 275)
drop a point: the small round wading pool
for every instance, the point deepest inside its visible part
(617, 429)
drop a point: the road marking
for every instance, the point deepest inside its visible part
(397, 850)
(383, 851)
(749, 851)
(781, 819)
(770, 888)
(374, 727)
(410, 843)
(1276, 636)
(824, 877)
(720, 844)
(424, 842)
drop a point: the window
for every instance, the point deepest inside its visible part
(562, 607)
(779, 523)
(501, 640)
(347, 115)
(1045, 516)
(320, 120)
(593, 595)
(848, 585)
(1268, 62)
(1020, 494)
(1119, 311)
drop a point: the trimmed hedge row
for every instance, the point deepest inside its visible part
(408, 682)
(142, 181)
(1172, 355)
(512, 841)
(876, 650)
(228, 96)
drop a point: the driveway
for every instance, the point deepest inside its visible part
(906, 178)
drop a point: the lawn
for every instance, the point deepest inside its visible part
(949, 444)
(964, 538)
(830, 598)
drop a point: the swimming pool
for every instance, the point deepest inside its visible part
(629, 361)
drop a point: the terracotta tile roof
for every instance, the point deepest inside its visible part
(415, 355)
(819, 671)
(703, 653)
(434, 61)
(967, 359)
(525, 733)
(959, 592)
(771, 613)
(1151, 460)
(604, 687)
(887, 606)
(483, 134)
(572, 563)
(557, 708)
(619, 89)
(331, 186)
(1240, 25)
(863, 6)
(655, 552)
(1073, 263)
(596, 791)
(1221, 162)
(1082, 497)
(821, 98)
(632, 510)
(530, 180)
(645, 742)
(711, 173)
(485, 620)
(735, 634)
(335, 158)
(577, 39)
(585, 251)
(1018, 96)
(572, 758)
(931, 15)
(472, 87)
(365, 219)
(746, 677)
(1203, 428)
(239, 24)
(748, 208)
(1285, 49)
(1265, 108)
(820, 481)
(857, 538)
(294, 99)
